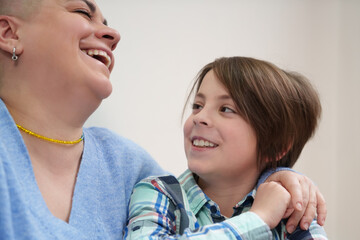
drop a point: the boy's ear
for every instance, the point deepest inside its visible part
(280, 155)
(284, 152)
(9, 34)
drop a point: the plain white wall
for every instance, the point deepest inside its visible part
(166, 42)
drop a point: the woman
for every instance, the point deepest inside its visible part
(57, 179)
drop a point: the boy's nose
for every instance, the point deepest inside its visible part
(202, 118)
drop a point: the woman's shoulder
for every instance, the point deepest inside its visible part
(103, 134)
(125, 153)
(108, 139)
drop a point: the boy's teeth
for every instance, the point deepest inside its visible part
(202, 143)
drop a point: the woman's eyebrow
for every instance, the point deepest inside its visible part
(92, 8)
(90, 5)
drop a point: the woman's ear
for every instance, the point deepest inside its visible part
(9, 38)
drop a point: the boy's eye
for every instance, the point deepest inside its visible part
(226, 110)
(84, 12)
(196, 106)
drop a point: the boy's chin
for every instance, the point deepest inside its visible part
(196, 167)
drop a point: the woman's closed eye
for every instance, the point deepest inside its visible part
(84, 12)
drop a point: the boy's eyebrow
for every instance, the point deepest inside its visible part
(220, 97)
(224, 97)
(200, 95)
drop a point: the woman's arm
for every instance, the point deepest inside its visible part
(315, 231)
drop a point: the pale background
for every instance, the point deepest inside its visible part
(166, 42)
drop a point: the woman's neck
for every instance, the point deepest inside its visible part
(53, 120)
(55, 157)
(44, 121)
(48, 110)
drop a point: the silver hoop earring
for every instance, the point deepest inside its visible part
(14, 56)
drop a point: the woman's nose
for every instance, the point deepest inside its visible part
(110, 35)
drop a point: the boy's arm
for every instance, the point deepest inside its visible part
(151, 217)
(305, 197)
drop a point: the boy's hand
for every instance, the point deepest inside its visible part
(271, 203)
(305, 197)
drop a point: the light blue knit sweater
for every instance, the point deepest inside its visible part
(110, 167)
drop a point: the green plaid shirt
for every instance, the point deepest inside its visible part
(170, 208)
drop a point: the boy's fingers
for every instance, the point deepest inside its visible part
(288, 212)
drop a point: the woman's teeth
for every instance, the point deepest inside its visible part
(100, 55)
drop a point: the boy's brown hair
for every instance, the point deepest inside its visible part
(282, 107)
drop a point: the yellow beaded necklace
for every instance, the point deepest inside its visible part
(50, 139)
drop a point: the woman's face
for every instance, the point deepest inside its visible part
(68, 48)
(219, 143)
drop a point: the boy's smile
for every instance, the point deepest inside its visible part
(203, 143)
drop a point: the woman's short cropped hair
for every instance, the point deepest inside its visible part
(19, 8)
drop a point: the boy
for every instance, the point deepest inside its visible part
(248, 116)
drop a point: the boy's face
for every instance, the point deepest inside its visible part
(219, 143)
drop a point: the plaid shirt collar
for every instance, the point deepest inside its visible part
(197, 198)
